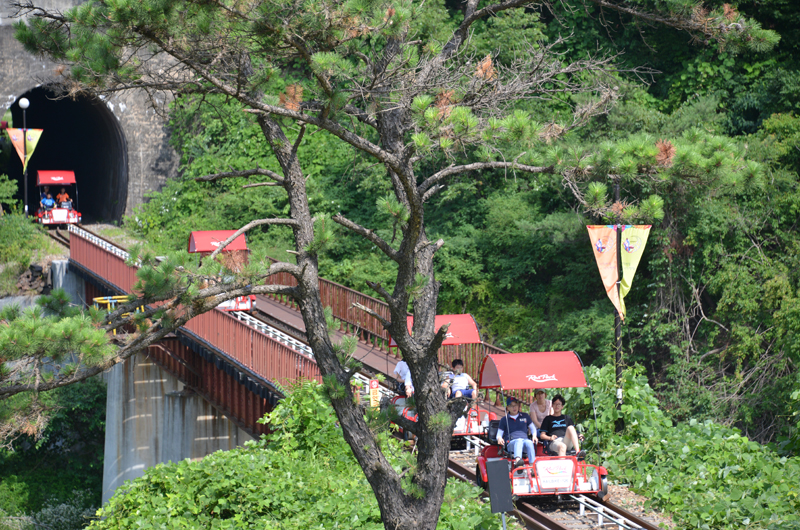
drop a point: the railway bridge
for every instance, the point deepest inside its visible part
(206, 386)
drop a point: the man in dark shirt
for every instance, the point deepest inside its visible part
(559, 430)
(514, 427)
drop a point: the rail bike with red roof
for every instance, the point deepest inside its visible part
(63, 212)
(235, 255)
(546, 474)
(462, 330)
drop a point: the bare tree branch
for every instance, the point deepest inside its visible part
(367, 234)
(248, 226)
(454, 170)
(369, 311)
(246, 173)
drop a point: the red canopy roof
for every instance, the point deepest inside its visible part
(210, 240)
(55, 178)
(521, 371)
(462, 330)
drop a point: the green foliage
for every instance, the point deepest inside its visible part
(8, 189)
(21, 239)
(303, 475)
(64, 464)
(706, 475)
(709, 476)
(51, 339)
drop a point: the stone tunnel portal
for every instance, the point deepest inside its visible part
(81, 135)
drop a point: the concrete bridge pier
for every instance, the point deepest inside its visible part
(152, 418)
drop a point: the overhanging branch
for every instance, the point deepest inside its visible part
(248, 226)
(369, 235)
(454, 170)
(246, 173)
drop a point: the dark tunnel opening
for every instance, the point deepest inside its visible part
(81, 135)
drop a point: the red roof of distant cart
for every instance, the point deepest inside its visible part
(462, 330)
(55, 178)
(210, 240)
(541, 369)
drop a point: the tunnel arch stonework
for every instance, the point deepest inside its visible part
(140, 136)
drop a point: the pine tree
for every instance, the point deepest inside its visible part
(419, 104)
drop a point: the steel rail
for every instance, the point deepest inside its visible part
(58, 237)
(647, 525)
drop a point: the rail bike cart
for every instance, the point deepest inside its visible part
(65, 212)
(546, 474)
(234, 256)
(472, 426)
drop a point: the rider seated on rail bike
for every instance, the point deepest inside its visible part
(47, 203)
(460, 381)
(515, 426)
(558, 431)
(63, 200)
(402, 374)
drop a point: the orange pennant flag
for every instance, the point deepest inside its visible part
(29, 145)
(604, 246)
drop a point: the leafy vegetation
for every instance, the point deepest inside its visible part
(21, 243)
(303, 475)
(55, 478)
(707, 475)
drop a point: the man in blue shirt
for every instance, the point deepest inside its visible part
(48, 202)
(517, 424)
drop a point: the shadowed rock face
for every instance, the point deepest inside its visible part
(118, 147)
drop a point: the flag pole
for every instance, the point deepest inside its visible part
(25, 154)
(620, 423)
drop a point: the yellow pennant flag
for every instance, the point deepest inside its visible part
(31, 139)
(634, 239)
(604, 247)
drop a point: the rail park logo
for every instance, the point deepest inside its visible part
(542, 378)
(601, 247)
(216, 243)
(631, 244)
(56, 178)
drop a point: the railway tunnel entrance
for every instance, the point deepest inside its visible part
(81, 135)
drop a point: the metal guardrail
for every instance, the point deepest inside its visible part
(272, 332)
(298, 345)
(102, 243)
(340, 299)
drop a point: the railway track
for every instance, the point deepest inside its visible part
(568, 512)
(58, 236)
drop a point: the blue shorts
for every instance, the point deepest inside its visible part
(466, 392)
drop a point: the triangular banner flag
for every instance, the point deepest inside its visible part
(634, 239)
(31, 139)
(604, 246)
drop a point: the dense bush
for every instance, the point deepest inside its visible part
(706, 475)
(67, 457)
(302, 476)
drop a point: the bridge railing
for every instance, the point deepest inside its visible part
(341, 299)
(251, 348)
(108, 261)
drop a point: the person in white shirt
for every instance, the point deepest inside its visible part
(403, 374)
(461, 381)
